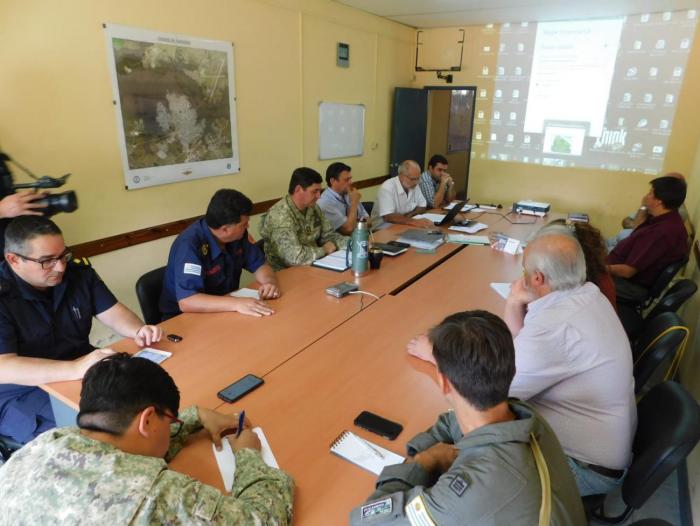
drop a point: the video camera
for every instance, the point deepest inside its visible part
(54, 203)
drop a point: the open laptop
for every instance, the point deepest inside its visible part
(450, 216)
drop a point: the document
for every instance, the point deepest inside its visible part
(364, 453)
(226, 460)
(246, 293)
(470, 229)
(503, 289)
(435, 218)
(467, 240)
(333, 261)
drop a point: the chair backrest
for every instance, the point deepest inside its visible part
(667, 431)
(674, 297)
(663, 279)
(657, 346)
(368, 206)
(148, 289)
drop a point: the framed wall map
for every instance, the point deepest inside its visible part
(176, 106)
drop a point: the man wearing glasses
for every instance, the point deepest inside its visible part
(46, 307)
(113, 470)
(399, 198)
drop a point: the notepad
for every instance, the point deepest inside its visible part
(246, 293)
(334, 261)
(364, 453)
(503, 289)
(469, 229)
(434, 218)
(226, 460)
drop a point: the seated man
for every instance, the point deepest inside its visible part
(481, 463)
(640, 215)
(573, 361)
(294, 229)
(206, 260)
(111, 469)
(436, 184)
(399, 198)
(340, 202)
(660, 240)
(47, 302)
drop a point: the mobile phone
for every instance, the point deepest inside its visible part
(341, 289)
(240, 388)
(377, 424)
(174, 338)
(398, 244)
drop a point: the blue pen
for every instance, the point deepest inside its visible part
(241, 418)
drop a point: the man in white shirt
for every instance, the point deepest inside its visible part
(573, 361)
(399, 198)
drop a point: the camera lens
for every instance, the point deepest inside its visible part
(63, 202)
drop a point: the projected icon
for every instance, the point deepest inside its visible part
(626, 97)
(692, 13)
(526, 139)
(518, 70)
(498, 93)
(621, 121)
(663, 124)
(660, 44)
(524, 24)
(677, 71)
(637, 147)
(487, 49)
(653, 72)
(496, 115)
(658, 149)
(669, 98)
(526, 159)
(502, 48)
(631, 72)
(516, 93)
(637, 45)
(666, 16)
(521, 47)
(642, 123)
(480, 114)
(509, 137)
(478, 136)
(501, 70)
(483, 93)
(494, 137)
(644, 18)
(648, 98)
(506, 25)
(485, 70)
(513, 115)
(685, 43)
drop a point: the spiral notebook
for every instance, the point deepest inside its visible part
(364, 453)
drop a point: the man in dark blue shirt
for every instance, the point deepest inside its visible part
(46, 309)
(206, 261)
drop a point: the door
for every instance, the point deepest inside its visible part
(408, 128)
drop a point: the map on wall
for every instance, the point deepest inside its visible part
(176, 106)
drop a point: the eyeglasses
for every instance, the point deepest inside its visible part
(175, 425)
(48, 263)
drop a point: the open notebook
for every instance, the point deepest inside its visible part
(364, 453)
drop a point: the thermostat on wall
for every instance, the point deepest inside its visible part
(343, 55)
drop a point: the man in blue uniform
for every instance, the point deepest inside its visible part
(206, 261)
(46, 309)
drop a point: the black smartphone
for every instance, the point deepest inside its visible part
(174, 338)
(398, 244)
(239, 388)
(377, 424)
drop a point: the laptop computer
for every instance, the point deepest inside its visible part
(449, 217)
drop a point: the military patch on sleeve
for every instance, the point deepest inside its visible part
(417, 514)
(381, 507)
(191, 268)
(458, 485)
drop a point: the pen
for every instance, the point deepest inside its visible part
(374, 449)
(241, 418)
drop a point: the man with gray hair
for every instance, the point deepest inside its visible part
(399, 198)
(573, 361)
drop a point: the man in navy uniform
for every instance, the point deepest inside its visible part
(206, 261)
(47, 303)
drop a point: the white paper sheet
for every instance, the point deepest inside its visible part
(226, 460)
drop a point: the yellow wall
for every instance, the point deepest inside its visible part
(57, 112)
(606, 195)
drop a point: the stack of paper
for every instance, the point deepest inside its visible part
(470, 229)
(434, 218)
(423, 239)
(468, 240)
(246, 293)
(333, 261)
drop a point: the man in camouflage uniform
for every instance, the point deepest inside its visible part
(480, 463)
(294, 229)
(112, 470)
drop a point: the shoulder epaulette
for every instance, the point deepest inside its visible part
(81, 262)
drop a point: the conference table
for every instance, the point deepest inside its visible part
(326, 359)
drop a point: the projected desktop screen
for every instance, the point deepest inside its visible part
(594, 93)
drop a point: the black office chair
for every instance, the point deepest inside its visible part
(148, 289)
(674, 298)
(658, 350)
(7, 447)
(651, 522)
(668, 429)
(368, 205)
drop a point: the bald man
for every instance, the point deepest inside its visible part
(573, 361)
(399, 198)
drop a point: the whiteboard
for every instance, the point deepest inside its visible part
(341, 130)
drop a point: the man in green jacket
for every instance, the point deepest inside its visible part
(111, 470)
(295, 230)
(488, 461)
